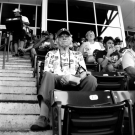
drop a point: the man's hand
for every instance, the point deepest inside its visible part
(65, 79)
(110, 50)
(42, 39)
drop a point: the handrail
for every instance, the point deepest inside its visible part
(2, 46)
(7, 42)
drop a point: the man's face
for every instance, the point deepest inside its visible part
(117, 47)
(64, 40)
(16, 14)
(44, 36)
(91, 35)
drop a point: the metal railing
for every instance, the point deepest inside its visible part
(6, 49)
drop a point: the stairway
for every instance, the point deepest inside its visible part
(18, 101)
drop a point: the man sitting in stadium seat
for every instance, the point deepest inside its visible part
(42, 45)
(60, 65)
(87, 48)
(128, 62)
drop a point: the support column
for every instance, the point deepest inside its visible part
(44, 15)
(122, 27)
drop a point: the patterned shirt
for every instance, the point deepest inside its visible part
(64, 64)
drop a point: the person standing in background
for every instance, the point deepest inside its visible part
(19, 36)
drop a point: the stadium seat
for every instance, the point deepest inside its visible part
(109, 81)
(37, 59)
(88, 114)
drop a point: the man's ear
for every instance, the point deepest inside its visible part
(71, 38)
(56, 40)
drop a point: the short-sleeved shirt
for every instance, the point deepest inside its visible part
(128, 59)
(89, 48)
(114, 56)
(64, 64)
(25, 19)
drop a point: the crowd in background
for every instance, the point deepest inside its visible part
(106, 51)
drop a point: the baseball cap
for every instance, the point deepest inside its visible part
(16, 10)
(45, 33)
(63, 30)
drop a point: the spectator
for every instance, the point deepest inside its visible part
(59, 65)
(76, 45)
(19, 36)
(82, 40)
(118, 43)
(100, 40)
(51, 36)
(29, 45)
(124, 49)
(109, 59)
(42, 45)
(87, 48)
(128, 60)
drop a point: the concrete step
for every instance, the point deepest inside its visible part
(10, 55)
(16, 63)
(17, 68)
(30, 75)
(15, 71)
(18, 83)
(12, 78)
(18, 90)
(17, 122)
(18, 98)
(16, 58)
(48, 132)
(19, 108)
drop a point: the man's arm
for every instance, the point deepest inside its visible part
(37, 44)
(81, 48)
(29, 48)
(128, 64)
(130, 71)
(102, 61)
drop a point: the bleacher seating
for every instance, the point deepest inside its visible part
(93, 113)
(37, 60)
(130, 83)
(93, 67)
(109, 80)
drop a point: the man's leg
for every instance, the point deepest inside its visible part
(21, 44)
(33, 53)
(48, 83)
(88, 84)
(16, 48)
(15, 43)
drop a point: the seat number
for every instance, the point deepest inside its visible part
(93, 97)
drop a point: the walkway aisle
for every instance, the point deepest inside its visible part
(18, 102)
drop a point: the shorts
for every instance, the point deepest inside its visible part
(20, 35)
